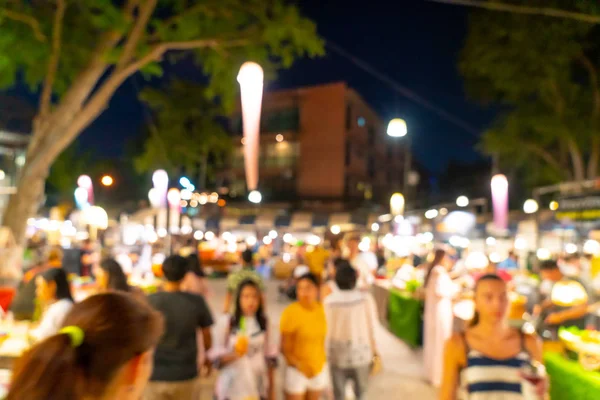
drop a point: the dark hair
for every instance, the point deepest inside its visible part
(309, 277)
(345, 278)
(340, 263)
(438, 256)
(236, 319)
(117, 327)
(484, 278)
(116, 277)
(195, 265)
(59, 277)
(247, 256)
(174, 268)
(548, 265)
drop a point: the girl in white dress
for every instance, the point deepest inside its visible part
(247, 368)
(438, 319)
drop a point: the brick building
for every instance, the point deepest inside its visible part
(320, 146)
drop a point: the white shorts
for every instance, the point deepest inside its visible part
(297, 383)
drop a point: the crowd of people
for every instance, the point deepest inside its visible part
(120, 343)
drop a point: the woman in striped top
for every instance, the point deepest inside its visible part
(487, 359)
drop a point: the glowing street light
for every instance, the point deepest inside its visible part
(85, 182)
(431, 214)
(96, 218)
(397, 204)
(499, 186)
(554, 205)
(107, 180)
(250, 79)
(462, 201)
(255, 197)
(335, 229)
(397, 128)
(530, 206)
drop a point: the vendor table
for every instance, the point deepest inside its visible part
(568, 380)
(406, 317)
(381, 294)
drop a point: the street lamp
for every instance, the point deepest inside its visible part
(530, 206)
(397, 128)
(250, 79)
(107, 180)
(96, 218)
(462, 201)
(397, 204)
(255, 197)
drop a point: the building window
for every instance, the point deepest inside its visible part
(348, 117)
(361, 121)
(348, 153)
(371, 166)
(371, 134)
(287, 120)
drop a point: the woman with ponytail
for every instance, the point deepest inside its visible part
(438, 319)
(103, 351)
(490, 356)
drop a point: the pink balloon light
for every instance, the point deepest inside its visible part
(500, 201)
(250, 79)
(85, 182)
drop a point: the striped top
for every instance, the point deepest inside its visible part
(486, 378)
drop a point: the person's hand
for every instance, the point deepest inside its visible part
(205, 368)
(541, 389)
(554, 319)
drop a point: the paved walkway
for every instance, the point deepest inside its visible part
(403, 369)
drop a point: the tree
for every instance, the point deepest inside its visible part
(187, 133)
(543, 73)
(79, 52)
(554, 12)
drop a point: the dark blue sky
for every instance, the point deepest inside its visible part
(414, 42)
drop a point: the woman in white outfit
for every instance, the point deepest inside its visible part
(438, 319)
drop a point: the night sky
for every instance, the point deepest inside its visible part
(414, 42)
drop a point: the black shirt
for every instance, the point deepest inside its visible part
(176, 354)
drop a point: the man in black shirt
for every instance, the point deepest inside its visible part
(187, 318)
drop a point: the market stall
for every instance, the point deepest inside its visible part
(405, 317)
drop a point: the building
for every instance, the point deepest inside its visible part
(13, 147)
(320, 147)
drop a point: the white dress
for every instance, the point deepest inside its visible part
(438, 322)
(247, 377)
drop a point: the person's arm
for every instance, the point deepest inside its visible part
(572, 313)
(533, 345)
(454, 360)
(204, 322)
(288, 336)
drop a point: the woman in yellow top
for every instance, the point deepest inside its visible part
(303, 330)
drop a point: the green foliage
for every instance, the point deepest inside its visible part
(187, 131)
(270, 32)
(533, 68)
(71, 164)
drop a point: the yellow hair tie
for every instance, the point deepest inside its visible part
(75, 333)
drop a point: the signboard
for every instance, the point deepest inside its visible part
(579, 209)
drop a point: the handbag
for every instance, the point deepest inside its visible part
(376, 365)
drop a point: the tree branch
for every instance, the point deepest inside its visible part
(517, 9)
(139, 28)
(544, 155)
(60, 139)
(594, 160)
(28, 20)
(57, 26)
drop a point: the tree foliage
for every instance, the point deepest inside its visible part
(187, 132)
(543, 73)
(77, 53)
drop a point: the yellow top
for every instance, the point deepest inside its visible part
(316, 260)
(308, 328)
